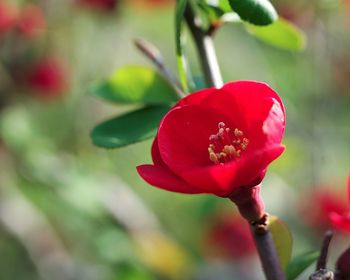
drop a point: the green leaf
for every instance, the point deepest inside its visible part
(300, 263)
(223, 5)
(282, 238)
(129, 128)
(215, 11)
(209, 13)
(135, 84)
(180, 59)
(258, 12)
(281, 34)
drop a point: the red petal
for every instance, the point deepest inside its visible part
(274, 124)
(157, 159)
(251, 93)
(162, 177)
(349, 188)
(183, 136)
(257, 109)
(341, 222)
(197, 97)
(223, 179)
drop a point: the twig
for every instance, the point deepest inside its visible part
(155, 56)
(321, 271)
(206, 50)
(322, 261)
(266, 249)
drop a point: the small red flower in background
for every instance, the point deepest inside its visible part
(342, 220)
(47, 78)
(318, 204)
(8, 16)
(301, 14)
(31, 22)
(217, 140)
(229, 237)
(98, 4)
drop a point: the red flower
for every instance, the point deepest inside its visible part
(217, 140)
(325, 200)
(8, 16)
(31, 22)
(341, 220)
(230, 237)
(47, 77)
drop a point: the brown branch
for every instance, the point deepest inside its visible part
(322, 261)
(267, 251)
(155, 56)
(321, 267)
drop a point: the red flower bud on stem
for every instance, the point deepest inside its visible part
(343, 266)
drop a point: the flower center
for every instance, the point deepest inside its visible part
(226, 145)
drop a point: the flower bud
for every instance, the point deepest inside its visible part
(343, 266)
(47, 78)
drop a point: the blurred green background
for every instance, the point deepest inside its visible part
(70, 210)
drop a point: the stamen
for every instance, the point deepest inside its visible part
(226, 145)
(245, 143)
(221, 125)
(213, 157)
(238, 132)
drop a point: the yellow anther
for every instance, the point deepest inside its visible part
(221, 125)
(229, 150)
(245, 143)
(222, 154)
(213, 157)
(238, 132)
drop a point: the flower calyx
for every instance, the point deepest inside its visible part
(250, 205)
